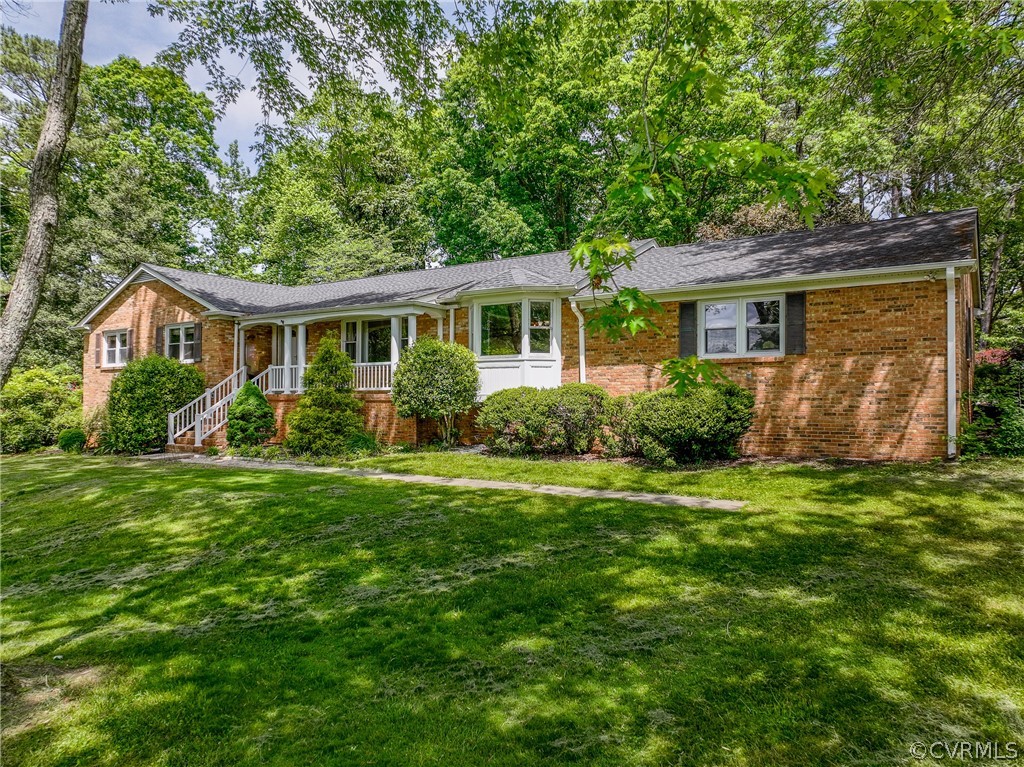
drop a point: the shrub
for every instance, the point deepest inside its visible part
(326, 415)
(566, 419)
(703, 423)
(71, 440)
(436, 380)
(141, 396)
(251, 419)
(516, 419)
(997, 426)
(36, 405)
(574, 414)
(618, 439)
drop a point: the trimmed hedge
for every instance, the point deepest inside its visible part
(436, 380)
(704, 423)
(141, 396)
(326, 415)
(251, 419)
(566, 420)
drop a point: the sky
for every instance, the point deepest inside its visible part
(116, 29)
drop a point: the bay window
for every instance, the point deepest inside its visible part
(741, 327)
(522, 328)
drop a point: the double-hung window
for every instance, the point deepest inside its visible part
(351, 340)
(741, 327)
(115, 348)
(181, 342)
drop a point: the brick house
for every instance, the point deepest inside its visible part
(856, 340)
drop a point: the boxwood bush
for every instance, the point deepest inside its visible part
(36, 405)
(251, 419)
(141, 396)
(436, 380)
(326, 415)
(703, 423)
(564, 420)
(71, 440)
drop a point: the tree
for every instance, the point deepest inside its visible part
(438, 380)
(251, 419)
(23, 300)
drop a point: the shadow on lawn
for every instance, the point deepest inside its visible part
(297, 619)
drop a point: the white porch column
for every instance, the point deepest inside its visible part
(287, 358)
(440, 328)
(275, 338)
(412, 329)
(396, 339)
(451, 326)
(301, 361)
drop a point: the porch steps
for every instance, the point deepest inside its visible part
(186, 442)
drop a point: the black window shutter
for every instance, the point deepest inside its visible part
(131, 344)
(158, 340)
(687, 328)
(796, 312)
(98, 343)
(197, 350)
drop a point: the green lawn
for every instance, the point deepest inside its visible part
(159, 614)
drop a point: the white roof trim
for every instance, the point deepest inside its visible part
(851, 278)
(141, 269)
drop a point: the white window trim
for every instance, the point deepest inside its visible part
(167, 342)
(476, 329)
(741, 328)
(115, 333)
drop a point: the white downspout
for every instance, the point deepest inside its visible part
(582, 341)
(951, 362)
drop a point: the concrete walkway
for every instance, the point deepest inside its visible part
(478, 484)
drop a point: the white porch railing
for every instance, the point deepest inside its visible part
(373, 376)
(202, 414)
(369, 376)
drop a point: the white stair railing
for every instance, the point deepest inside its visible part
(194, 414)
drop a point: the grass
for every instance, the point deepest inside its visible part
(158, 614)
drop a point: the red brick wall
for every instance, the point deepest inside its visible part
(872, 384)
(143, 307)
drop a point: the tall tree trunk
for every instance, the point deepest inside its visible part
(988, 304)
(23, 301)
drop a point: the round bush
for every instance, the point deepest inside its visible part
(574, 415)
(436, 380)
(515, 418)
(326, 415)
(567, 419)
(702, 424)
(141, 396)
(71, 440)
(251, 419)
(36, 405)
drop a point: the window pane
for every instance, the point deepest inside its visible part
(189, 350)
(349, 346)
(501, 329)
(122, 354)
(111, 356)
(762, 339)
(720, 341)
(175, 335)
(378, 341)
(720, 315)
(540, 327)
(762, 313)
(404, 333)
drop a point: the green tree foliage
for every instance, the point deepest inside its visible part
(72, 440)
(438, 380)
(36, 405)
(134, 183)
(327, 416)
(251, 419)
(141, 397)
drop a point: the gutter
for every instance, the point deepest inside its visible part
(583, 340)
(951, 425)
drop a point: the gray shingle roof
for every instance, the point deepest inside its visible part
(926, 239)
(932, 238)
